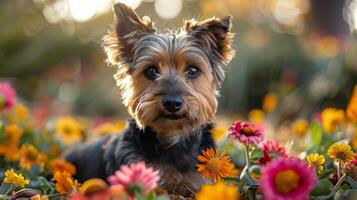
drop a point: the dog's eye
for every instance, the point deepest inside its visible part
(192, 71)
(151, 73)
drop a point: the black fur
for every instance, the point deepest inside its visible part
(103, 157)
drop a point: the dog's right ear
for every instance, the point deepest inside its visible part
(127, 30)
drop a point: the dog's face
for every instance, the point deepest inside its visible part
(169, 81)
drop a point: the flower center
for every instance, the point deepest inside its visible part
(286, 181)
(213, 165)
(31, 155)
(247, 131)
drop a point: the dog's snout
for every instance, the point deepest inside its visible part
(172, 103)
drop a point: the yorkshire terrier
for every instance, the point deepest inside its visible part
(169, 84)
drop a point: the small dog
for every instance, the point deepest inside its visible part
(169, 84)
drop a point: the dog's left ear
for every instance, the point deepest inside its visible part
(214, 34)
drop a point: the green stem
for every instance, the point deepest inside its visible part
(339, 182)
(339, 170)
(10, 188)
(247, 156)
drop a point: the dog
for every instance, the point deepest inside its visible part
(169, 83)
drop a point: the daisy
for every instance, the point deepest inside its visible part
(287, 179)
(218, 190)
(215, 165)
(245, 133)
(317, 161)
(340, 152)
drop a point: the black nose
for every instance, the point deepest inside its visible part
(172, 103)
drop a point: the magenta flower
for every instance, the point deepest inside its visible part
(136, 174)
(7, 95)
(287, 179)
(270, 150)
(245, 133)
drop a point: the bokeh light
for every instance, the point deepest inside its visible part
(168, 9)
(132, 3)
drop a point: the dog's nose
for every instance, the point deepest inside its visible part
(172, 103)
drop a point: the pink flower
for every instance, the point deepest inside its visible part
(287, 179)
(245, 133)
(271, 147)
(7, 95)
(136, 174)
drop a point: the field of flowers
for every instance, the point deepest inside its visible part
(306, 159)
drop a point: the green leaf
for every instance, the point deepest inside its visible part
(4, 188)
(316, 133)
(323, 187)
(256, 154)
(351, 182)
(34, 172)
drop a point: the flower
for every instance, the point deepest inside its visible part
(354, 140)
(215, 165)
(13, 134)
(287, 179)
(316, 160)
(12, 177)
(331, 119)
(218, 132)
(110, 128)
(300, 127)
(270, 150)
(65, 182)
(93, 185)
(30, 155)
(245, 133)
(59, 165)
(68, 130)
(218, 190)
(39, 197)
(270, 102)
(135, 175)
(352, 107)
(256, 116)
(340, 152)
(7, 96)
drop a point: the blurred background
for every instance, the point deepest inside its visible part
(300, 53)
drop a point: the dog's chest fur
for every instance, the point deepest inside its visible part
(175, 161)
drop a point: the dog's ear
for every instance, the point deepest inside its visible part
(127, 30)
(214, 34)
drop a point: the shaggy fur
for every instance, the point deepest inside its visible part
(169, 141)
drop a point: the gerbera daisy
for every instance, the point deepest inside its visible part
(7, 96)
(12, 177)
(69, 130)
(245, 133)
(271, 149)
(59, 165)
(135, 175)
(30, 155)
(317, 161)
(287, 179)
(332, 118)
(65, 182)
(216, 191)
(215, 165)
(340, 152)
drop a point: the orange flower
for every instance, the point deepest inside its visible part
(59, 165)
(352, 107)
(13, 134)
(30, 155)
(65, 182)
(215, 165)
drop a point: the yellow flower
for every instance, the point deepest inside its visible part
(9, 148)
(92, 186)
(16, 179)
(270, 102)
(59, 165)
(65, 182)
(256, 116)
(30, 155)
(215, 165)
(331, 119)
(352, 107)
(218, 132)
(110, 128)
(340, 152)
(69, 130)
(300, 127)
(39, 197)
(316, 160)
(216, 191)
(21, 112)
